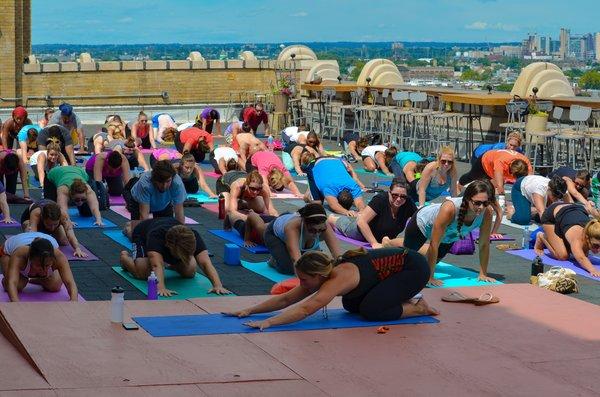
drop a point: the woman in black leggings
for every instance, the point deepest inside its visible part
(377, 284)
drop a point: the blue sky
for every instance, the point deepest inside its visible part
(274, 21)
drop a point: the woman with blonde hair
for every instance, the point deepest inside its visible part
(378, 284)
(43, 161)
(438, 177)
(569, 230)
(272, 170)
(245, 191)
(165, 243)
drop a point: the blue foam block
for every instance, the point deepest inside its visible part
(231, 256)
(86, 222)
(212, 324)
(234, 237)
(118, 237)
(266, 271)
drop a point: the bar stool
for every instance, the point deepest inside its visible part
(399, 117)
(571, 142)
(355, 101)
(516, 119)
(421, 120)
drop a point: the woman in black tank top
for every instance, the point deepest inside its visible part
(569, 230)
(376, 284)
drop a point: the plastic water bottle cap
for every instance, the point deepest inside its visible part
(117, 290)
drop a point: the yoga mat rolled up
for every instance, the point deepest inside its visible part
(86, 222)
(548, 261)
(35, 293)
(214, 324)
(186, 288)
(234, 237)
(352, 241)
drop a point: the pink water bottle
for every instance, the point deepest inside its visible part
(152, 287)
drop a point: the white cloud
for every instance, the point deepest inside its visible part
(299, 14)
(479, 25)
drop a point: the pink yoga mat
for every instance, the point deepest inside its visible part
(122, 210)
(211, 174)
(146, 151)
(68, 251)
(35, 293)
(116, 200)
(211, 207)
(14, 224)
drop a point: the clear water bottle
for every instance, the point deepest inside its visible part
(526, 237)
(152, 287)
(270, 143)
(117, 302)
(502, 202)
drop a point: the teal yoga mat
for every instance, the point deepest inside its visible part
(202, 198)
(265, 270)
(186, 288)
(87, 222)
(376, 173)
(118, 237)
(454, 276)
(212, 324)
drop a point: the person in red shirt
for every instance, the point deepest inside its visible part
(195, 141)
(12, 126)
(254, 115)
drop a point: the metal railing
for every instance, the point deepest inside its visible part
(49, 98)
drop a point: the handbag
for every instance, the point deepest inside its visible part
(558, 279)
(464, 246)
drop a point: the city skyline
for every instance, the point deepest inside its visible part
(187, 21)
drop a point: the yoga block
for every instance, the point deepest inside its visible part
(231, 256)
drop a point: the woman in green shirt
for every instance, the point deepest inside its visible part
(69, 184)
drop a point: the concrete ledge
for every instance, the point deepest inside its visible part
(235, 64)
(155, 65)
(179, 64)
(199, 65)
(32, 68)
(252, 64)
(132, 65)
(109, 66)
(88, 66)
(69, 67)
(216, 64)
(51, 67)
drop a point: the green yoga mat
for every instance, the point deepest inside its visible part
(186, 288)
(266, 271)
(454, 276)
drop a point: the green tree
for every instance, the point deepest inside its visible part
(470, 75)
(505, 87)
(590, 80)
(358, 66)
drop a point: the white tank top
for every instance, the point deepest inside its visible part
(426, 218)
(372, 150)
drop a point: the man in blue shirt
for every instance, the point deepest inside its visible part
(333, 180)
(160, 192)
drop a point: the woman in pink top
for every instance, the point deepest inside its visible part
(112, 167)
(273, 172)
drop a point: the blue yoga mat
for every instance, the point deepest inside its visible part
(86, 222)
(265, 270)
(118, 237)
(454, 276)
(234, 237)
(548, 261)
(203, 198)
(212, 324)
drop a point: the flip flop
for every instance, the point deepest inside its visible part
(459, 298)
(486, 299)
(507, 247)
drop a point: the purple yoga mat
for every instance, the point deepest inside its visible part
(35, 293)
(14, 224)
(475, 233)
(68, 251)
(548, 261)
(121, 210)
(116, 200)
(351, 240)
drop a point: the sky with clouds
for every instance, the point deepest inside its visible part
(274, 21)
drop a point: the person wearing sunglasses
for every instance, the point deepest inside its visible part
(142, 132)
(568, 230)
(245, 191)
(67, 184)
(379, 285)
(273, 172)
(384, 216)
(295, 150)
(59, 135)
(291, 234)
(254, 116)
(578, 183)
(133, 154)
(439, 177)
(445, 223)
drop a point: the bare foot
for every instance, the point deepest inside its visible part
(420, 308)
(125, 258)
(424, 307)
(386, 242)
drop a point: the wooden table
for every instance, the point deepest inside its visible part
(482, 99)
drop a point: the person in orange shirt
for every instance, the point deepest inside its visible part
(496, 165)
(195, 141)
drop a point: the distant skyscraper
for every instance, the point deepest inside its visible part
(564, 50)
(597, 46)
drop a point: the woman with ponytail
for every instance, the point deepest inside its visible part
(445, 223)
(531, 194)
(376, 284)
(569, 230)
(35, 256)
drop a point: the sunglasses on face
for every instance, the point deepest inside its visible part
(446, 162)
(143, 121)
(79, 200)
(478, 203)
(595, 246)
(396, 196)
(254, 188)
